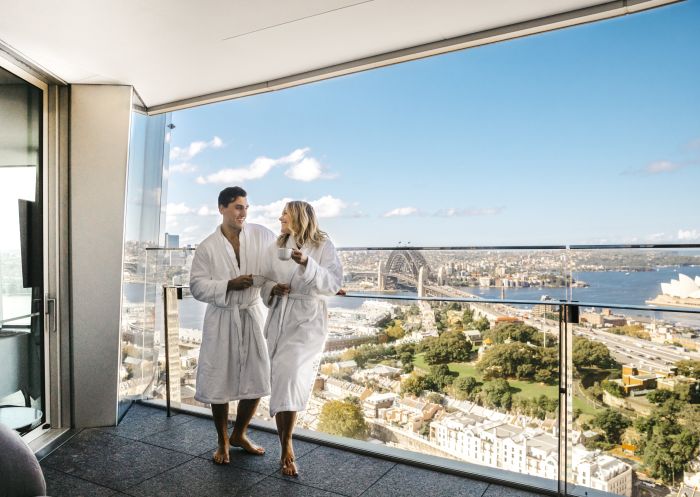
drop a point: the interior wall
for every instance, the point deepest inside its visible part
(99, 144)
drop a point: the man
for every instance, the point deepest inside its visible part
(233, 360)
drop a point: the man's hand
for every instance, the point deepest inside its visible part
(299, 257)
(240, 283)
(280, 289)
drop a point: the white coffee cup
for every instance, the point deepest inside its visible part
(284, 254)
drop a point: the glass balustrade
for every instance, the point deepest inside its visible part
(557, 367)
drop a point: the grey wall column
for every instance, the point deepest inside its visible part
(100, 120)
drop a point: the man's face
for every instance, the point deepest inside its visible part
(235, 213)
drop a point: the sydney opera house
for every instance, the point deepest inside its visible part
(685, 291)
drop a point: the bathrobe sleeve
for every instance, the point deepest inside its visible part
(326, 274)
(204, 285)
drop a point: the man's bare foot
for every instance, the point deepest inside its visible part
(246, 444)
(289, 467)
(221, 454)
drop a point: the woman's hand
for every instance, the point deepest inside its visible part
(299, 257)
(280, 289)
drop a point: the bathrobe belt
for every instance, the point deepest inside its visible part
(244, 338)
(283, 309)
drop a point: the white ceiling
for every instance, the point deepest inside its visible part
(172, 50)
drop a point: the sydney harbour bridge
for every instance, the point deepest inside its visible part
(408, 268)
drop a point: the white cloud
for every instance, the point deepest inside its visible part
(187, 153)
(259, 168)
(662, 166)
(688, 235)
(302, 167)
(307, 169)
(182, 167)
(268, 214)
(401, 211)
(484, 211)
(177, 209)
(328, 206)
(206, 211)
(656, 237)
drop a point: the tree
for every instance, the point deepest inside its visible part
(406, 359)
(503, 360)
(465, 387)
(413, 385)
(669, 439)
(689, 368)
(590, 354)
(482, 324)
(435, 398)
(395, 330)
(440, 376)
(344, 418)
(451, 346)
(467, 316)
(517, 332)
(497, 394)
(613, 388)
(658, 397)
(612, 423)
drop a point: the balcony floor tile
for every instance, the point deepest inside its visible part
(193, 437)
(276, 487)
(112, 461)
(404, 480)
(501, 491)
(339, 471)
(142, 421)
(196, 477)
(59, 483)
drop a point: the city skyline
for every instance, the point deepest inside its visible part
(584, 135)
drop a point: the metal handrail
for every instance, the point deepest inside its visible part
(620, 246)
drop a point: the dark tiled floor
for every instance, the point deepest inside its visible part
(149, 454)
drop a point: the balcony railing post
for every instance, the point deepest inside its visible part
(562, 431)
(171, 331)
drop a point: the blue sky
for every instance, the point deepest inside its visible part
(500, 144)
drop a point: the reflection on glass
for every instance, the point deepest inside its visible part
(21, 337)
(148, 166)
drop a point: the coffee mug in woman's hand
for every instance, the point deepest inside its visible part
(299, 257)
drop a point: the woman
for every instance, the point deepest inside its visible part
(302, 268)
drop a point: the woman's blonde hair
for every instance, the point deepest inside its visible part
(303, 224)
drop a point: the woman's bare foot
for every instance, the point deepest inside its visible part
(246, 444)
(221, 454)
(289, 467)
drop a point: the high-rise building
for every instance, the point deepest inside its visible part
(172, 241)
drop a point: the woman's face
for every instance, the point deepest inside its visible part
(285, 223)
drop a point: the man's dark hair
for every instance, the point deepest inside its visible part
(230, 194)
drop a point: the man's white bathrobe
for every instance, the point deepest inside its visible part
(233, 360)
(296, 326)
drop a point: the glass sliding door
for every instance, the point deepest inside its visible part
(22, 388)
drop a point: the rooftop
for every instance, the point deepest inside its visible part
(151, 454)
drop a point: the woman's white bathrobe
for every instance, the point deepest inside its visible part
(233, 359)
(296, 326)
